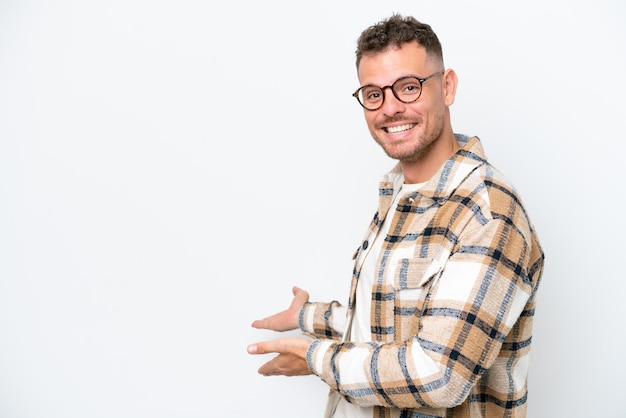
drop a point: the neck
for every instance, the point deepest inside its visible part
(424, 166)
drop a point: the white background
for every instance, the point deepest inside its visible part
(169, 169)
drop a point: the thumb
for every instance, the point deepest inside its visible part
(264, 347)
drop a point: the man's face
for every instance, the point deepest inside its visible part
(406, 131)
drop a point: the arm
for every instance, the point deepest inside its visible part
(472, 306)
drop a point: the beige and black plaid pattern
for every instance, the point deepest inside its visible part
(452, 308)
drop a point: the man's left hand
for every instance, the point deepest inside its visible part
(291, 358)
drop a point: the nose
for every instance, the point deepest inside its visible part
(391, 105)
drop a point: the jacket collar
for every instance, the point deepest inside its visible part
(445, 181)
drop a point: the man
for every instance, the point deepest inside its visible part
(443, 292)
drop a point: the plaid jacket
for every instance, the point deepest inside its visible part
(453, 305)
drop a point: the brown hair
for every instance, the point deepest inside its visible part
(395, 31)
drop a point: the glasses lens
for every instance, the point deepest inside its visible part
(371, 97)
(407, 89)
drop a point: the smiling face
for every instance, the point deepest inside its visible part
(417, 134)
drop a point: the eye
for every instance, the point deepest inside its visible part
(407, 89)
(371, 94)
(374, 95)
(408, 86)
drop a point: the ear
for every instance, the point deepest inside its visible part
(450, 82)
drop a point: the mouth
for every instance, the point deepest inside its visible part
(400, 128)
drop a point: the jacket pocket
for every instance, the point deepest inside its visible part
(414, 273)
(413, 280)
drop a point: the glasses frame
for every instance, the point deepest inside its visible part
(382, 89)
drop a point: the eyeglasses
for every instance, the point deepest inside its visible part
(406, 89)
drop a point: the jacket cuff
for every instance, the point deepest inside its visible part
(305, 319)
(315, 355)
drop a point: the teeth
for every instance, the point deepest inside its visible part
(396, 129)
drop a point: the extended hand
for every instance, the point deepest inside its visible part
(288, 319)
(291, 358)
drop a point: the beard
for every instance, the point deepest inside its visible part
(418, 147)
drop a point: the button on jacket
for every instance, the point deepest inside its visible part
(452, 304)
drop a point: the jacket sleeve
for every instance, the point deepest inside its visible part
(323, 320)
(476, 299)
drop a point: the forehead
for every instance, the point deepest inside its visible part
(383, 68)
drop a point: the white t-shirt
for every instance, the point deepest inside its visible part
(360, 326)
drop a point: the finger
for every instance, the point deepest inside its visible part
(260, 323)
(268, 369)
(264, 347)
(273, 322)
(285, 365)
(300, 295)
(280, 345)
